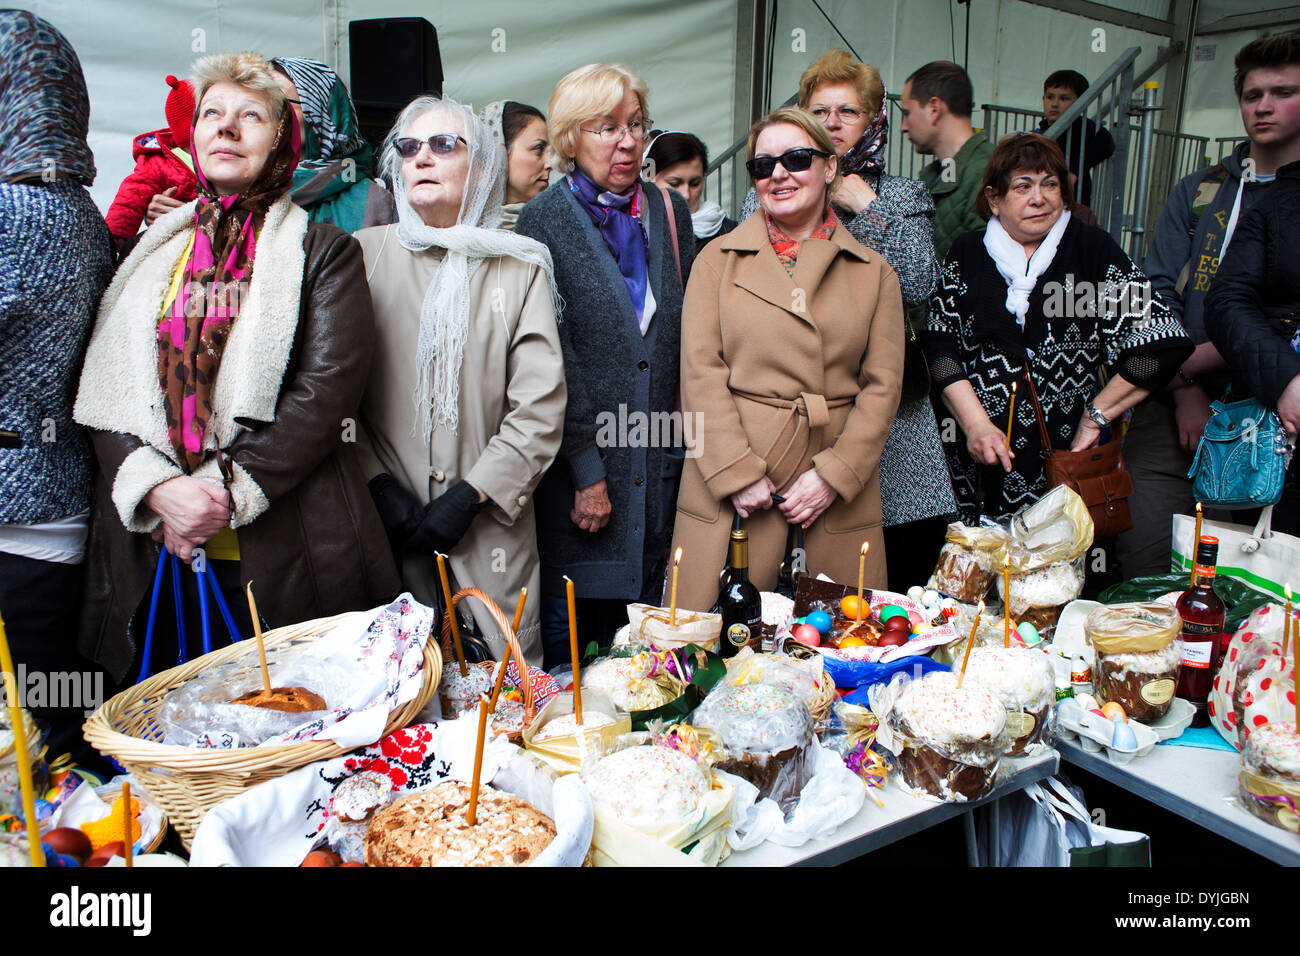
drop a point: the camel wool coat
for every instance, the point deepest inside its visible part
(783, 374)
(512, 399)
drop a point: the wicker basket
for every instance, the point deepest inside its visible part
(186, 782)
(516, 737)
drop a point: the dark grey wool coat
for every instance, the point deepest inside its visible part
(608, 364)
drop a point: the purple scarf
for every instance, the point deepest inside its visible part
(617, 220)
(867, 155)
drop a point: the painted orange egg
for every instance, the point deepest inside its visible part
(854, 609)
(1112, 709)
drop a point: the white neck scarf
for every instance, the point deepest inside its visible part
(445, 312)
(1009, 256)
(707, 220)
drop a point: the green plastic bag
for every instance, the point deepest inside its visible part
(1240, 599)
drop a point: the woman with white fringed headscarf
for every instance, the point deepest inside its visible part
(456, 436)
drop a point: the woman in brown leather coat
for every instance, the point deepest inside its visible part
(792, 359)
(220, 385)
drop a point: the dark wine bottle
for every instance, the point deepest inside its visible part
(739, 601)
(1203, 613)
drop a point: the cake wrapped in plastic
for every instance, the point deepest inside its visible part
(1254, 656)
(648, 788)
(1269, 782)
(641, 682)
(460, 692)
(765, 732)
(948, 739)
(967, 562)
(1137, 657)
(1024, 683)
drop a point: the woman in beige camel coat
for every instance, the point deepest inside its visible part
(465, 406)
(792, 358)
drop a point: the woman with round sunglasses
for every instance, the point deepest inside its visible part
(792, 356)
(465, 404)
(893, 215)
(606, 507)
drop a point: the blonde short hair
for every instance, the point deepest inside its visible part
(251, 70)
(837, 66)
(583, 95)
(801, 118)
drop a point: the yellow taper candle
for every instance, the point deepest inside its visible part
(451, 612)
(672, 597)
(970, 642)
(573, 649)
(1196, 539)
(257, 633)
(862, 569)
(1011, 411)
(25, 785)
(1286, 628)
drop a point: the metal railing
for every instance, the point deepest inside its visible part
(1227, 144)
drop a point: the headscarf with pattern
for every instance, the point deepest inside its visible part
(193, 333)
(335, 156)
(44, 108)
(866, 157)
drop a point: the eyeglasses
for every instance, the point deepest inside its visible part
(614, 134)
(794, 160)
(846, 114)
(443, 144)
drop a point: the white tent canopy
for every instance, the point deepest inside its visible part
(687, 50)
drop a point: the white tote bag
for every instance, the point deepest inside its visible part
(1258, 557)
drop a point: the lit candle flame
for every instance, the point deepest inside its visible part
(865, 546)
(677, 557)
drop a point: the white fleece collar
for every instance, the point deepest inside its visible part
(119, 389)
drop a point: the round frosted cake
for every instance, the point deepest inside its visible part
(458, 692)
(431, 828)
(1142, 683)
(648, 787)
(765, 732)
(1270, 774)
(1022, 680)
(567, 725)
(954, 736)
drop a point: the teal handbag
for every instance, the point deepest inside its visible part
(1242, 457)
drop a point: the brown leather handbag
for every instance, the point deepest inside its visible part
(1097, 475)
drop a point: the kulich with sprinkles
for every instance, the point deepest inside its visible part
(952, 736)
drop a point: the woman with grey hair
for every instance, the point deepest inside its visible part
(456, 436)
(224, 369)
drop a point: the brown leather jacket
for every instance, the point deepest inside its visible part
(319, 548)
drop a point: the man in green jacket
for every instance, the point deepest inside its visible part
(936, 102)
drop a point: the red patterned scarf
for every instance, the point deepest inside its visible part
(787, 249)
(193, 333)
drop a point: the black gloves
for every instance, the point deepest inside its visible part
(437, 526)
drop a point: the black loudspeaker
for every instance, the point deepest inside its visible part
(393, 60)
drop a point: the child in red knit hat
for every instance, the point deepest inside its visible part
(164, 170)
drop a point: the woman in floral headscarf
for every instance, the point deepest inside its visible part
(333, 178)
(218, 410)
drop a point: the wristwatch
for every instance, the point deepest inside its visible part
(1095, 415)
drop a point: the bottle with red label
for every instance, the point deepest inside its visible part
(1202, 613)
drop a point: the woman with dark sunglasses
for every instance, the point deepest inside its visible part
(792, 357)
(895, 216)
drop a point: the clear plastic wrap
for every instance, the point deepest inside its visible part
(1269, 782)
(1255, 650)
(1056, 527)
(1044, 590)
(1024, 683)
(554, 738)
(641, 682)
(10, 794)
(800, 675)
(199, 712)
(948, 740)
(460, 692)
(1137, 657)
(967, 562)
(355, 803)
(649, 787)
(764, 732)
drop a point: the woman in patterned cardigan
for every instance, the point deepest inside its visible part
(1039, 292)
(895, 216)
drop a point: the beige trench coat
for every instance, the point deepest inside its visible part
(781, 375)
(512, 398)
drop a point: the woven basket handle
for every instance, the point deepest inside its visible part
(512, 644)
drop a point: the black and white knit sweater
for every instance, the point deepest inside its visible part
(1092, 308)
(55, 261)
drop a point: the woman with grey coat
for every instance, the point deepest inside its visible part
(605, 509)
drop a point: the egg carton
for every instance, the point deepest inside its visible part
(1096, 733)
